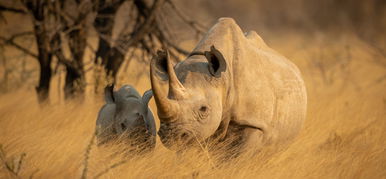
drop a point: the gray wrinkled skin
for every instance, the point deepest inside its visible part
(231, 87)
(126, 116)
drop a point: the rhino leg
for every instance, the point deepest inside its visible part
(222, 130)
(240, 139)
(151, 123)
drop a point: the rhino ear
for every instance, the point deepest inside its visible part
(109, 93)
(161, 64)
(147, 96)
(216, 60)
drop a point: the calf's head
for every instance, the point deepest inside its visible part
(192, 107)
(125, 112)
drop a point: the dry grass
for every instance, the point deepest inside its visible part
(344, 135)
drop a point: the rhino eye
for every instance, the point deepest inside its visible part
(203, 112)
(203, 108)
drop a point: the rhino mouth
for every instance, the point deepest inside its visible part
(131, 97)
(175, 138)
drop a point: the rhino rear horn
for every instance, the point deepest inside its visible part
(216, 60)
(109, 93)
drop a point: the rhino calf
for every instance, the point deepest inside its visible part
(126, 117)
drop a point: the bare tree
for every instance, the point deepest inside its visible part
(43, 32)
(59, 24)
(146, 30)
(111, 57)
(73, 27)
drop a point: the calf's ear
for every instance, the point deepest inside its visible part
(146, 97)
(216, 60)
(109, 93)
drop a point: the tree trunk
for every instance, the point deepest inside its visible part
(44, 51)
(75, 77)
(111, 57)
(113, 62)
(45, 58)
(43, 88)
(74, 83)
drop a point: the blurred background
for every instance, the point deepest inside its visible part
(82, 45)
(57, 56)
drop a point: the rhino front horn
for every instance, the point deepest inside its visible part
(165, 106)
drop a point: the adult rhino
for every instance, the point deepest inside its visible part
(126, 115)
(231, 85)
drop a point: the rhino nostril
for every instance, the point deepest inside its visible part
(184, 135)
(140, 117)
(115, 131)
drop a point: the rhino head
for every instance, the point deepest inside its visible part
(192, 107)
(126, 114)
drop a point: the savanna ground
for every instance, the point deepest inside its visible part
(343, 137)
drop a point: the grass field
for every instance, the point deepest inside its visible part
(343, 137)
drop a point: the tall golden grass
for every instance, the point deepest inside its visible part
(343, 137)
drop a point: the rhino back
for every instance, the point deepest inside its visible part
(276, 87)
(278, 91)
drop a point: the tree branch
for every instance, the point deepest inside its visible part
(137, 35)
(195, 25)
(169, 43)
(12, 43)
(11, 9)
